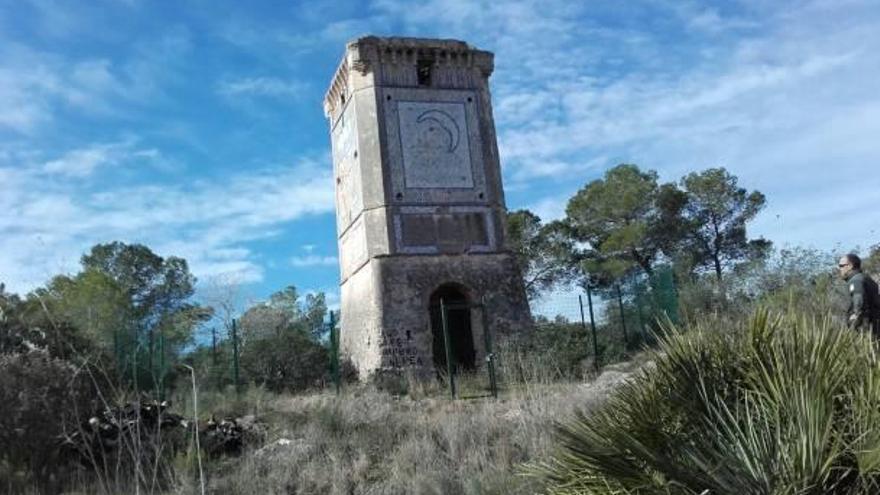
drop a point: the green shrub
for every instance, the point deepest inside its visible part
(552, 351)
(560, 350)
(787, 404)
(291, 360)
(799, 278)
(41, 398)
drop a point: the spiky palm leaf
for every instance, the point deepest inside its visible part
(780, 405)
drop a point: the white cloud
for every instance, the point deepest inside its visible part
(57, 18)
(243, 271)
(95, 74)
(47, 225)
(262, 86)
(262, 40)
(84, 162)
(549, 209)
(523, 106)
(36, 85)
(331, 296)
(784, 96)
(313, 260)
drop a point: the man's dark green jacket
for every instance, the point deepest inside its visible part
(864, 301)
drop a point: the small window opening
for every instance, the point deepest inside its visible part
(424, 72)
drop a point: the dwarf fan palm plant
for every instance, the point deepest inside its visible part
(781, 405)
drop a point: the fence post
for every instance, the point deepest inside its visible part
(490, 357)
(135, 378)
(151, 362)
(592, 324)
(622, 318)
(116, 351)
(162, 365)
(641, 314)
(136, 348)
(447, 344)
(334, 352)
(214, 345)
(235, 375)
(584, 321)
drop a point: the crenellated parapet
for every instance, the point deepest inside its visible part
(407, 62)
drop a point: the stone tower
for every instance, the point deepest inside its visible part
(419, 205)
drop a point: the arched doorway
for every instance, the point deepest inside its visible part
(458, 322)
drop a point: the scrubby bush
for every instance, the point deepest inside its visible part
(562, 350)
(780, 404)
(290, 360)
(796, 278)
(550, 352)
(41, 398)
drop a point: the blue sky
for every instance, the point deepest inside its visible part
(196, 127)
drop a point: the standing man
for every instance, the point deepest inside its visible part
(864, 301)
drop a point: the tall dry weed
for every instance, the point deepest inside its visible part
(367, 441)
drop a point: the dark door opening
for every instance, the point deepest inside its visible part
(458, 322)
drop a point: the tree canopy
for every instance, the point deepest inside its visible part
(716, 213)
(128, 305)
(626, 219)
(626, 222)
(280, 341)
(157, 289)
(543, 252)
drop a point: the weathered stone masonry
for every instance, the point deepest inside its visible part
(419, 203)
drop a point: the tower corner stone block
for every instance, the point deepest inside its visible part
(419, 206)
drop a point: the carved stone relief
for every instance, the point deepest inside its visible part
(434, 140)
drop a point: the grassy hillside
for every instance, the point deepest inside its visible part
(366, 441)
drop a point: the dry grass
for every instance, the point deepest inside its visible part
(366, 441)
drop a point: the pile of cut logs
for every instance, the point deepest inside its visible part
(144, 425)
(137, 427)
(224, 437)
